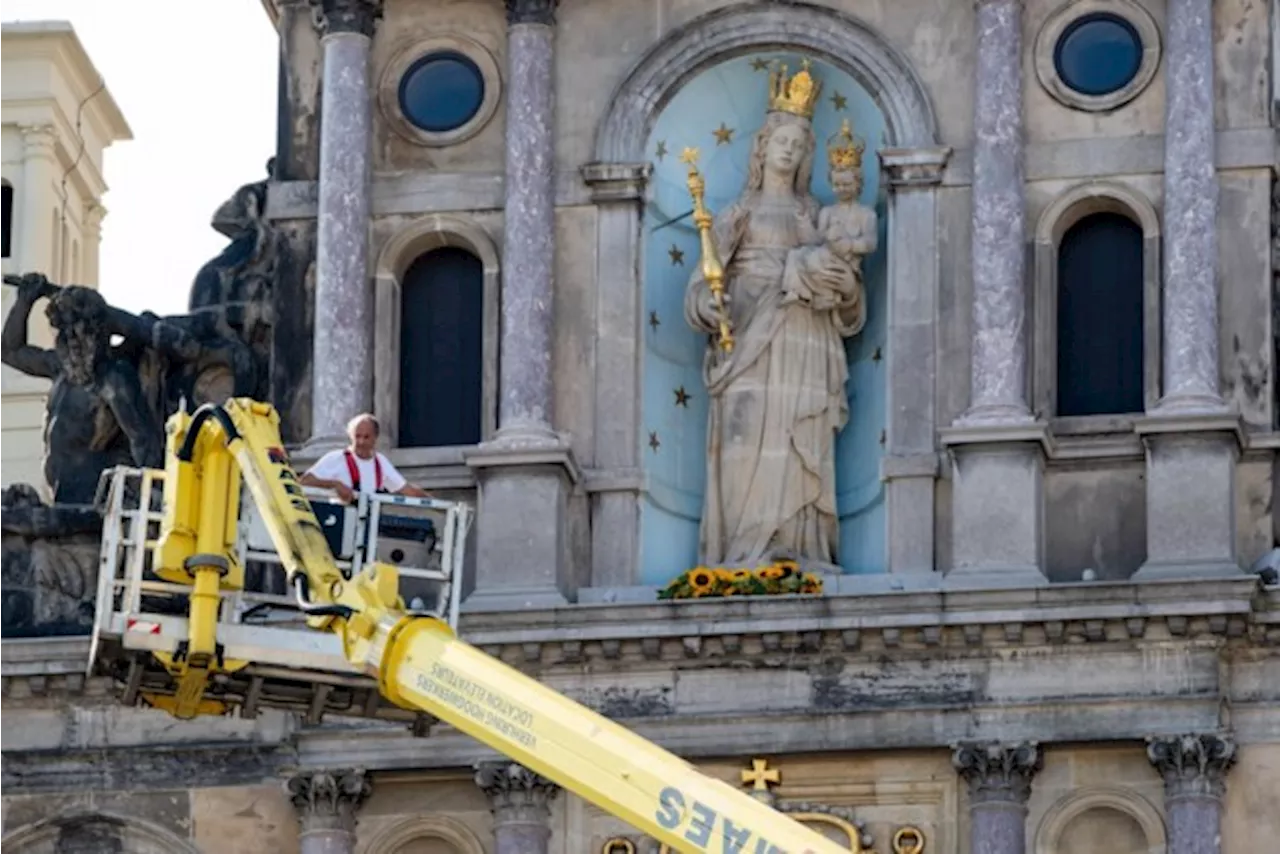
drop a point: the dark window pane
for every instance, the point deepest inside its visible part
(1098, 54)
(1100, 317)
(441, 92)
(441, 350)
(7, 235)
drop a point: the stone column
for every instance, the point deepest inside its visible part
(999, 780)
(1193, 440)
(521, 805)
(342, 348)
(1194, 768)
(910, 466)
(618, 192)
(326, 802)
(34, 249)
(997, 447)
(527, 472)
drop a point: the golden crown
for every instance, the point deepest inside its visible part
(797, 95)
(844, 150)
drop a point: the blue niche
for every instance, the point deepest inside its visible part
(719, 112)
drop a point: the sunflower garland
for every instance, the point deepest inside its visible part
(778, 578)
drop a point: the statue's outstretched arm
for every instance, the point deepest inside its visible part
(14, 349)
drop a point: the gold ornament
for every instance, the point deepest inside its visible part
(844, 150)
(797, 95)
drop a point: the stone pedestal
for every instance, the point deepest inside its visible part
(999, 781)
(521, 805)
(997, 505)
(522, 554)
(326, 802)
(1191, 495)
(1194, 768)
(342, 349)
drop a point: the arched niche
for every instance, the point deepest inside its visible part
(1123, 810)
(625, 172)
(107, 831)
(1060, 216)
(396, 838)
(413, 240)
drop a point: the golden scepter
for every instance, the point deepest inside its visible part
(712, 270)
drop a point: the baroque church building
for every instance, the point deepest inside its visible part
(963, 312)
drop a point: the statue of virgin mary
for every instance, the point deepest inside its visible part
(777, 400)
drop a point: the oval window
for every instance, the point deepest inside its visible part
(441, 92)
(1098, 54)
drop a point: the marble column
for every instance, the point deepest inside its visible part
(998, 372)
(1190, 295)
(999, 779)
(1193, 440)
(526, 474)
(1194, 768)
(326, 803)
(997, 447)
(342, 347)
(521, 804)
(528, 250)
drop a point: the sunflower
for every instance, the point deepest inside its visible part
(740, 575)
(702, 580)
(770, 573)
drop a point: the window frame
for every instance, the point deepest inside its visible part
(405, 56)
(1060, 215)
(1062, 18)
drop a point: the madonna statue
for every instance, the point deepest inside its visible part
(793, 293)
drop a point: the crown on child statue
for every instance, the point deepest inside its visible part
(844, 150)
(797, 95)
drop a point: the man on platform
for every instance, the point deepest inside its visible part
(359, 467)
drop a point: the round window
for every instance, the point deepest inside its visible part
(441, 92)
(1098, 54)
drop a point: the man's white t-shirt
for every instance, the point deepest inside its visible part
(333, 466)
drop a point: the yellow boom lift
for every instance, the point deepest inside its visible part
(356, 623)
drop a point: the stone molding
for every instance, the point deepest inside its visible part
(444, 828)
(723, 33)
(409, 51)
(516, 794)
(996, 772)
(616, 182)
(531, 12)
(328, 800)
(908, 168)
(1193, 766)
(359, 17)
(1059, 817)
(1046, 42)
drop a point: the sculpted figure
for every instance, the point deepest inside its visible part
(777, 400)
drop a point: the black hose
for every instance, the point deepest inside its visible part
(203, 414)
(302, 589)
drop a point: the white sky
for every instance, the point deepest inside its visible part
(196, 82)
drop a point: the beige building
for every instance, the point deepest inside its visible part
(1040, 631)
(58, 119)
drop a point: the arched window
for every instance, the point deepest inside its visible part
(1100, 317)
(442, 350)
(6, 201)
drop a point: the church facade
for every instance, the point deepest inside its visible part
(965, 312)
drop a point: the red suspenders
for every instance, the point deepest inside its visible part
(354, 471)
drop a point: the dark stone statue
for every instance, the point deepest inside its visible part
(115, 378)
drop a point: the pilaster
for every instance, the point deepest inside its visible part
(35, 248)
(1194, 768)
(999, 778)
(326, 803)
(910, 468)
(617, 189)
(521, 804)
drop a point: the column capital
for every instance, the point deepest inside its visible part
(347, 16)
(996, 772)
(1192, 765)
(38, 140)
(516, 794)
(328, 800)
(531, 12)
(914, 167)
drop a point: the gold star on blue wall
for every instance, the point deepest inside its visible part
(723, 134)
(653, 441)
(839, 101)
(677, 255)
(682, 397)
(662, 149)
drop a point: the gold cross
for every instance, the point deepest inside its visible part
(761, 775)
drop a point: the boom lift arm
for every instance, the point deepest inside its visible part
(418, 662)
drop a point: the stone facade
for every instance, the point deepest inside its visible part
(1062, 649)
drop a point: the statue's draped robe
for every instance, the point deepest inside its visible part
(778, 400)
